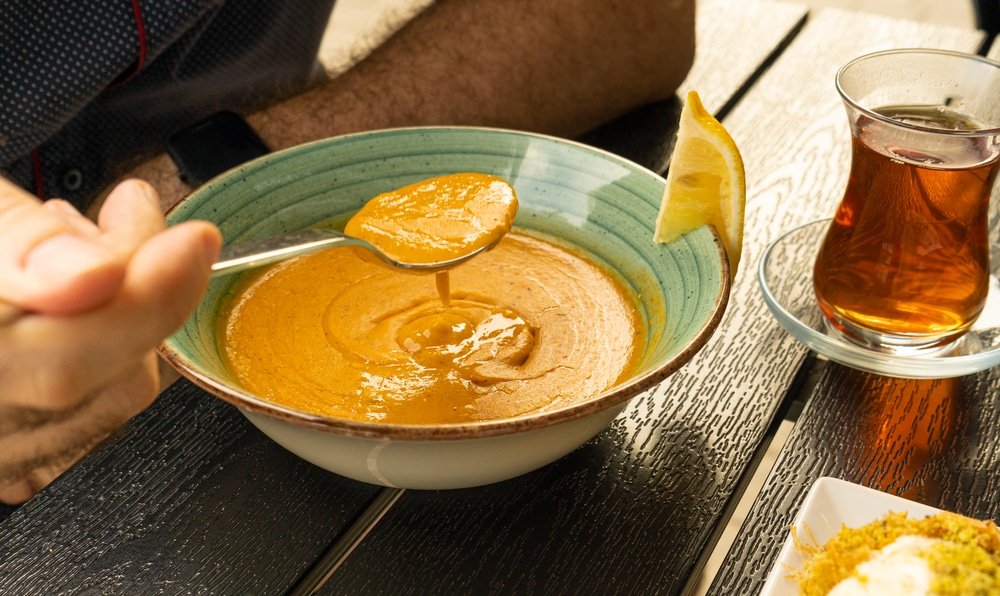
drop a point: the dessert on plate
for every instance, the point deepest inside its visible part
(942, 554)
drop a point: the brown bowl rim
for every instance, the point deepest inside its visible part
(470, 430)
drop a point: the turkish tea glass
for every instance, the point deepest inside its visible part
(904, 267)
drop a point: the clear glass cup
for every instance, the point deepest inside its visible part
(904, 266)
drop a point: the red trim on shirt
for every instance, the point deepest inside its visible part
(36, 168)
(140, 27)
(140, 61)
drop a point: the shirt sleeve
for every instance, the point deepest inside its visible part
(58, 56)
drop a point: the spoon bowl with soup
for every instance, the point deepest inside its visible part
(512, 360)
(432, 225)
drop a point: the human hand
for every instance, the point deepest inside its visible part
(82, 306)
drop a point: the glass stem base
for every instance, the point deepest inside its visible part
(902, 345)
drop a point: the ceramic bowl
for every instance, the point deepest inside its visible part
(587, 197)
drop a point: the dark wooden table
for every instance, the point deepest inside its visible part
(191, 498)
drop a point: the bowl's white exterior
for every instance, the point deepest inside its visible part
(434, 464)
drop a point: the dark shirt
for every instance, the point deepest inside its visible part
(89, 88)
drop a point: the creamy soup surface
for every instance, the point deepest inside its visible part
(527, 326)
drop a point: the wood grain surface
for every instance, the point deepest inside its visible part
(193, 498)
(920, 439)
(189, 498)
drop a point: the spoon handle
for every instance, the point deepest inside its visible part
(255, 253)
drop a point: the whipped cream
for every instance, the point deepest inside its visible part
(898, 568)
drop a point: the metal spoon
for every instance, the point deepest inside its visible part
(256, 253)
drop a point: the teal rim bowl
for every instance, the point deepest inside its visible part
(582, 196)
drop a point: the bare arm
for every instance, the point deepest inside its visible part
(558, 66)
(555, 66)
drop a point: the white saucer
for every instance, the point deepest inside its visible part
(785, 275)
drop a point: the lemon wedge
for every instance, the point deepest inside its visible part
(706, 183)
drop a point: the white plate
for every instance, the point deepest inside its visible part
(830, 504)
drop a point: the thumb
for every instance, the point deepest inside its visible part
(49, 263)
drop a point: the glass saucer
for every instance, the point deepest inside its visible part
(785, 275)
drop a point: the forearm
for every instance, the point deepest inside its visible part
(559, 67)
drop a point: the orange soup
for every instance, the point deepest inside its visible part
(528, 326)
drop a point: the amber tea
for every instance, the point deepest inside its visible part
(906, 256)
